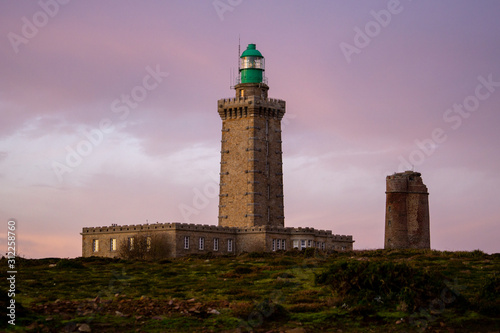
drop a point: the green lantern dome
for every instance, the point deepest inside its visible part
(251, 51)
(251, 65)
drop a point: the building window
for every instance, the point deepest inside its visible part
(295, 244)
(229, 245)
(309, 243)
(112, 244)
(148, 243)
(389, 223)
(302, 244)
(95, 245)
(278, 244)
(274, 245)
(283, 244)
(201, 243)
(322, 245)
(216, 244)
(186, 242)
(130, 242)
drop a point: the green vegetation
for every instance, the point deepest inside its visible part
(377, 291)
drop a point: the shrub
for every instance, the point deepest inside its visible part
(306, 307)
(378, 282)
(283, 275)
(260, 255)
(309, 252)
(165, 261)
(283, 262)
(145, 247)
(293, 252)
(67, 263)
(241, 270)
(488, 300)
(241, 309)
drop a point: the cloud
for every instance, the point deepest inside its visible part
(345, 128)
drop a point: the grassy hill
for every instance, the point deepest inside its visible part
(307, 291)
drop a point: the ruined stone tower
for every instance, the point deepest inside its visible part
(251, 173)
(407, 212)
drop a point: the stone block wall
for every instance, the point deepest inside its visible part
(251, 173)
(407, 222)
(249, 239)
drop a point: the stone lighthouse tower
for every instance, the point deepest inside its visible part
(251, 173)
(407, 212)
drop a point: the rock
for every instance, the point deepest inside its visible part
(191, 300)
(84, 328)
(32, 326)
(52, 265)
(119, 314)
(215, 312)
(296, 330)
(157, 318)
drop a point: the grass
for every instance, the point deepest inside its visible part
(379, 291)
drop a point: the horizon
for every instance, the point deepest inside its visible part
(109, 114)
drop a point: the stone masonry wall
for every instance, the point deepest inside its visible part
(251, 185)
(407, 212)
(252, 239)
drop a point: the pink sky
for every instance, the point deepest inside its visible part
(351, 117)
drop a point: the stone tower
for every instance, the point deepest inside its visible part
(407, 212)
(251, 173)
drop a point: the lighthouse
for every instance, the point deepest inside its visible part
(252, 65)
(251, 210)
(251, 167)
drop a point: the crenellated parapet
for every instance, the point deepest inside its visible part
(136, 228)
(251, 106)
(156, 226)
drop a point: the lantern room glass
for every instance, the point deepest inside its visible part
(252, 62)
